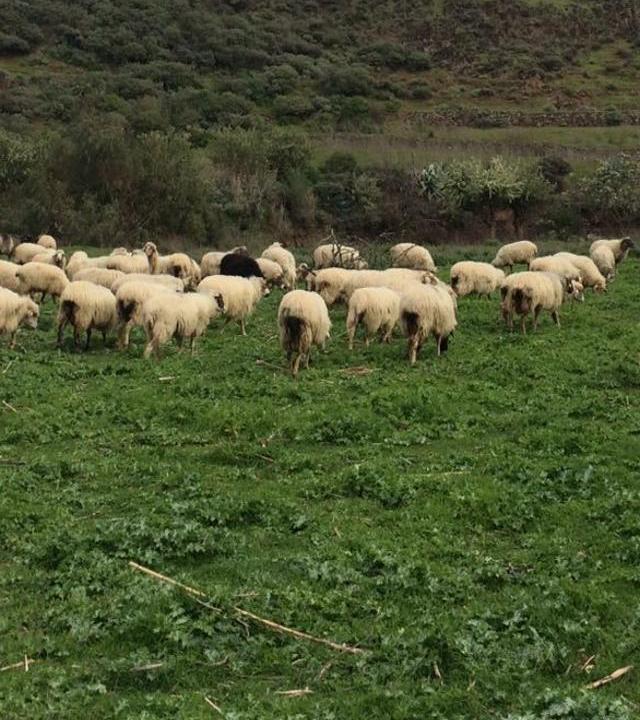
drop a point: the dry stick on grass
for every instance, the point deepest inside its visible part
(615, 675)
(213, 705)
(7, 368)
(8, 406)
(152, 666)
(23, 664)
(295, 693)
(245, 613)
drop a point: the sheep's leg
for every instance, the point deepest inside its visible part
(413, 350)
(438, 344)
(76, 338)
(307, 357)
(43, 296)
(61, 326)
(295, 365)
(536, 314)
(12, 340)
(367, 339)
(351, 333)
(556, 317)
(86, 345)
(523, 324)
(242, 327)
(192, 344)
(104, 337)
(148, 349)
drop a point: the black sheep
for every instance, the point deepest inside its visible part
(242, 265)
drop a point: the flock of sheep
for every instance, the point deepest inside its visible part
(173, 296)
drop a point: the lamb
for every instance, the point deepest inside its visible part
(56, 257)
(167, 281)
(409, 255)
(86, 307)
(25, 252)
(130, 297)
(166, 315)
(100, 276)
(47, 241)
(38, 277)
(426, 310)
(239, 295)
(527, 292)
(378, 308)
(468, 277)
(271, 271)
(303, 321)
(589, 273)
(509, 255)
(240, 266)
(605, 260)
(620, 247)
(336, 255)
(286, 260)
(15, 311)
(8, 277)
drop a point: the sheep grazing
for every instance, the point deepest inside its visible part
(271, 271)
(514, 253)
(8, 277)
(38, 277)
(377, 308)
(480, 278)
(240, 265)
(239, 295)
(125, 263)
(409, 255)
(16, 310)
(336, 255)
(167, 281)
(589, 273)
(166, 315)
(25, 252)
(210, 262)
(605, 260)
(119, 251)
(531, 292)
(78, 260)
(179, 265)
(559, 265)
(620, 247)
(393, 278)
(100, 276)
(277, 253)
(86, 307)
(55, 257)
(329, 283)
(47, 241)
(130, 297)
(427, 310)
(303, 321)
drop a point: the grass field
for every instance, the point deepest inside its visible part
(473, 523)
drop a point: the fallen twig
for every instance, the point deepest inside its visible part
(9, 406)
(588, 664)
(357, 371)
(197, 594)
(615, 675)
(23, 664)
(9, 364)
(295, 693)
(167, 378)
(213, 705)
(151, 666)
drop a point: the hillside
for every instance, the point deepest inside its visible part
(195, 65)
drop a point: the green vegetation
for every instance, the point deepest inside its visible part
(472, 522)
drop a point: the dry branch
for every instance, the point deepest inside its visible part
(213, 705)
(196, 594)
(615, 675)
(295, 693)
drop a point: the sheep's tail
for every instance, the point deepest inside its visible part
(68, 310)
(297, 333)
(411, 321)
(125, 310)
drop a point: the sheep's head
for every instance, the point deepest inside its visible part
(219, 302)
(497, 262)
(626, 244)
(600, 286)
(522, 300)
(575, 289)
(239, 250)
(32, 313)
(360, 264)
(455, 282)
(150, 249)
(60, 259)
(7, 244)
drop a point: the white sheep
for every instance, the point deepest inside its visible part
(619, 247)
(559, 265)
(303, 321)
(120, 251)
(100, 276)
(392, 278)
(336, 255)
(48, 241)
(25, 252)
(514, 253)
(166, 315)
(377, 308)
(605, 260)
(286, 260)
(134, 263)
(16, 310)
(168, 281)
(86, 307)
(130, 297)
(531, 292)
(239, 295)
(272, 271)
(410, 255)
(77, 261)
(176, 264)
(8, 277)
(589, 273)
(37, 277)
(468, 277)
(329, 283)
(55, 257)
(427, 310)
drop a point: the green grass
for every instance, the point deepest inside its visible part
(476, 517)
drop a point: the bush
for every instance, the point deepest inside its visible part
(13, 45)
(292, 107)
(612, 193)
(612, 117)
(554, 170)
(348, 81)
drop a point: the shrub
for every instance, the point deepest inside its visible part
(612, 116)
(612, 192)
(554, 170)
(13, 45)
(292, 107)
